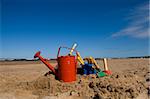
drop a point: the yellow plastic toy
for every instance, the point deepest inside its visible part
(79, 58)
(91, 60)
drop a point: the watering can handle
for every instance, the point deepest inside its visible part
(64, 47)
(58, 52)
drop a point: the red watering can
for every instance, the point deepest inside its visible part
(67, 66)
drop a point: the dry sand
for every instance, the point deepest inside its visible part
(26, 80)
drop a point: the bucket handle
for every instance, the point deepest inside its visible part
(65, 48)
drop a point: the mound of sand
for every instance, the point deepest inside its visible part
(118, 85)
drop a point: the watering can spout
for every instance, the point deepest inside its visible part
(37, 55)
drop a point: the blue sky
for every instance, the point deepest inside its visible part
(101, 28)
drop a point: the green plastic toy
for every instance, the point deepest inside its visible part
(100, 73)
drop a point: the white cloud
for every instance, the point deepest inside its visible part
(138, 23)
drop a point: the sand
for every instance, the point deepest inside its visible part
(27, 80)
